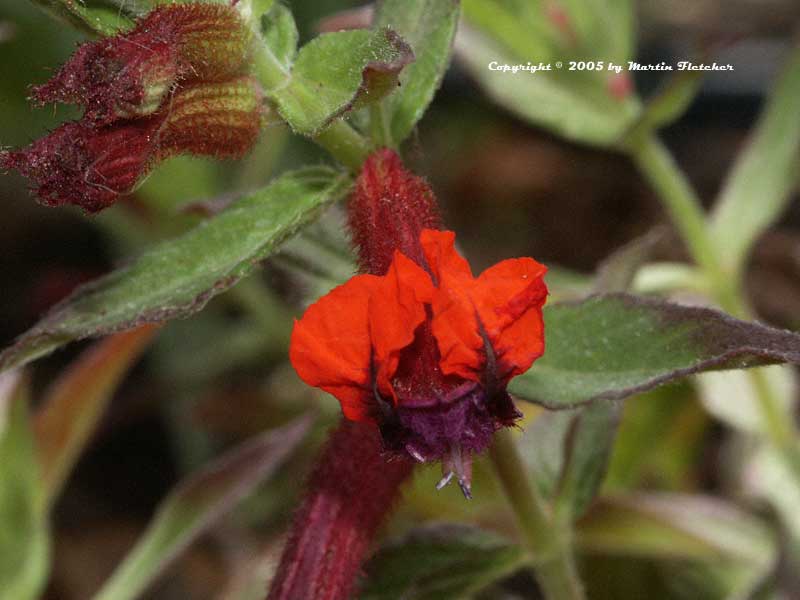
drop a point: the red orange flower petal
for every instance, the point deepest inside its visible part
(353, 338)
(444, 261)
(504, 304)
(360, 326)
(396, 309)
(509, 297)
(330, 346)
(455, 324)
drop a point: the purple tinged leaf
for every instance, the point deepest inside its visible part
(440, 561)
(74, 405)
(196, 504)
(177, 277)
(614, 346)
(429, 27)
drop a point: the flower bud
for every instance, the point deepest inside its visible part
(388, 210)
(115, 78)
(85, 166)
(130, 75)
(213, 41)
(221, 120)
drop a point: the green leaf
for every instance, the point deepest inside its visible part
(605, 26)
(178, 277)
(611, 347)
(279, 33)
(660, 441)
(676, 526)
(587, 451)
(337, 72)
(75, 403)
(439, 562)
(197, 503)
(429, 27)
(759, 186)
(92, 17)
(767, 475)
(576, 104)
(24, 541)
(617, 272)
(569, 452)
(669, 103)
(747, 414)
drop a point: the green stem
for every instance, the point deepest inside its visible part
(685, 209)
(345, 144)
(270, 73)
(380, 126)
(548, 541)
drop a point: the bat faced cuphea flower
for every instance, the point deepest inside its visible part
(418, 345)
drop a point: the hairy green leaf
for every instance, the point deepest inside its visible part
(429, 27)
(760, 184)
(587, 452)
(611, 347)
(178, 277)
(669, 103)
(279, 32)
(197, 503)
(337, 72)
(439, 562)
(24, 541)
(92, 17)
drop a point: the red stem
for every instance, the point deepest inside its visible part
(351, 491)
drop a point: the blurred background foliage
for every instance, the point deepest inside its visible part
(508, 189)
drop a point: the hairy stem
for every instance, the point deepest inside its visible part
(380, 126)
(350, 493)
(345, 144)
(548, 541)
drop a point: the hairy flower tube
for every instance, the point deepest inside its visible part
(131, 74)
(175, 84)
(91, 167)
(418, 345)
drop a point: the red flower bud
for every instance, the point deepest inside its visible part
(172, 85)
(131, 74)
(424, 349)
(90, 167)
(220, 120)
(115, 78)
(79, 164)
(388, 211)
(213, 40)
